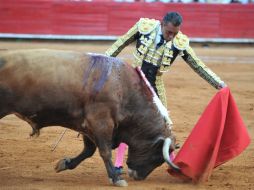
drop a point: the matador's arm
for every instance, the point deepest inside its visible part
(123, 41)
(199, 67)
(187, 53)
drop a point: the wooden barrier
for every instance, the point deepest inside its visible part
(80, 18)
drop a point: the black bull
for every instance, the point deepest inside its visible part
(102, 98)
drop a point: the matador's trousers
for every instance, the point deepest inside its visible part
(161, 90)
(156, 81)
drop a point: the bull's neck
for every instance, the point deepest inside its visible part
(143, 122)
(138, 110)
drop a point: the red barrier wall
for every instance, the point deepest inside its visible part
(109, 18)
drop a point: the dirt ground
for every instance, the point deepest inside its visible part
(28, 163)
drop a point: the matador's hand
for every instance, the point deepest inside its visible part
(222, 85)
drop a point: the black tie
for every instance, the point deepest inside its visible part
(160, 42)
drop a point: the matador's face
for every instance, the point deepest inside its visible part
(169, 31)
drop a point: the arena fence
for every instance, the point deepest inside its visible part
(82, 20)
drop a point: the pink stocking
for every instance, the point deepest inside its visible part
(120, 154)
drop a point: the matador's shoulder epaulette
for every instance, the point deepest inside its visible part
(181, 41)
(146, 25)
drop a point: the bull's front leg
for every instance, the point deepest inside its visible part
(105, 153)
(71, 163)
(102, 126)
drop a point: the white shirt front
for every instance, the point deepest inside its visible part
(158, 35)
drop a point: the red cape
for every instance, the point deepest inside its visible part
(218, 136)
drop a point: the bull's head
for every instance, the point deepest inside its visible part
(142, 162)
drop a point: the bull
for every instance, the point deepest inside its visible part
(102, 98)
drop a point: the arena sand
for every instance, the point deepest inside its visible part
(28, 163)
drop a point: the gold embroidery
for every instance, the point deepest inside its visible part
(167, 57)
(146, 26)
(142, 49)
(181, 41)
(198, 66)
(161, 90)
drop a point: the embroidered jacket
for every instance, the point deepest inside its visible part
(144, 33)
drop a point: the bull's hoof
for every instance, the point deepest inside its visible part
(119, 183)
(61, 165)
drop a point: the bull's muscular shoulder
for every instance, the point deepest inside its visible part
(181, 41)
(146, 25)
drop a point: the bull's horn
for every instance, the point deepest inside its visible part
(165, 151)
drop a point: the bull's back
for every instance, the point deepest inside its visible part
(59, 71)
(43, 68)
(37, 80)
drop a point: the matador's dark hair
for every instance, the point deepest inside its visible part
(174, 17)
